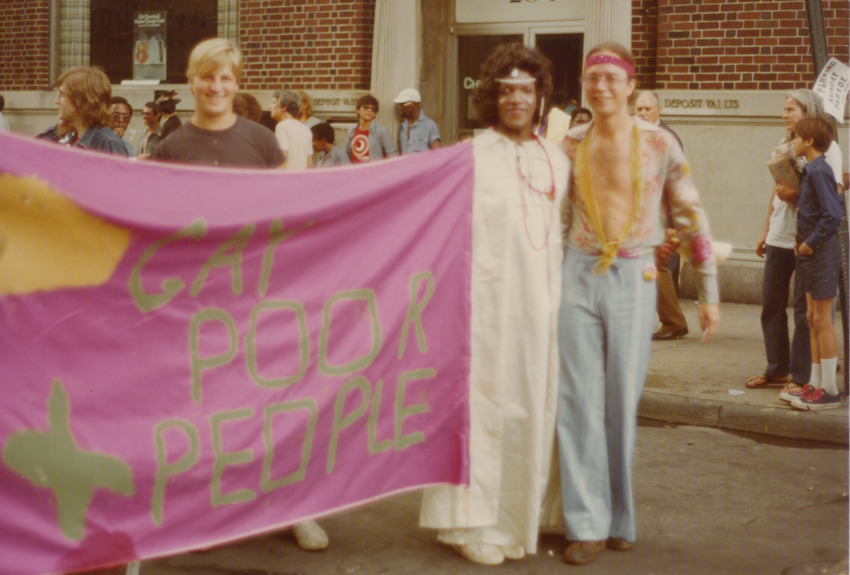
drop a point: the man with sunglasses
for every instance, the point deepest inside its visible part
(368, 141)
(121, 113)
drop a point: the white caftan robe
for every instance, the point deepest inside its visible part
(516, 278)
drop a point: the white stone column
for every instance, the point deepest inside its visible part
(608, 21)
(396, 54)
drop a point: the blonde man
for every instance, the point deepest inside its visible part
(626, 174)
(216, 135)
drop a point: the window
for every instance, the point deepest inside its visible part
(116, 43)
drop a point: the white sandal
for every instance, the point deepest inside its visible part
(481, 553)
(310, 536)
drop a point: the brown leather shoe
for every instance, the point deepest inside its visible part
(581, 552)
(664, 335)
(618, 544)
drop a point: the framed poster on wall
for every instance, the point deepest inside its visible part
(149, 45)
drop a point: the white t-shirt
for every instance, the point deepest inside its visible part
(783, 220)
(296, 141)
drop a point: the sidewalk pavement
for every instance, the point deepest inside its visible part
(703, 384)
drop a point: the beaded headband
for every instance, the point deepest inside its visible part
(609, 59)
(513, 78)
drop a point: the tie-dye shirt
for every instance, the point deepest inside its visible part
(668, 187)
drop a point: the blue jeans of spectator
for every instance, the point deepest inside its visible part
(784, 355)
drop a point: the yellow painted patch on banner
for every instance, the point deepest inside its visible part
(49, 243)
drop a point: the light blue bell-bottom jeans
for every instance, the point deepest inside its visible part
(605, 332)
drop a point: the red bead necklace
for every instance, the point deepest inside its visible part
(525, 182)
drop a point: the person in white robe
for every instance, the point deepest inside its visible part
(520, 180)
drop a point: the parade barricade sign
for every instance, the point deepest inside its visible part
(191, 355)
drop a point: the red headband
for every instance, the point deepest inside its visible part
(609, 59)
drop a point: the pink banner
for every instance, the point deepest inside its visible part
(191, 356)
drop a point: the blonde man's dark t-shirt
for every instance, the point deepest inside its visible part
(246, 144)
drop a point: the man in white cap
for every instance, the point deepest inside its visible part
(418, 132)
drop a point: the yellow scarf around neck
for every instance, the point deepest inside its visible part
(589, 198)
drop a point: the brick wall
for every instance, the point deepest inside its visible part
(645, 41)
(25, 45)
(731, 45)
(837, 23)
(309, 44)
(327, 44)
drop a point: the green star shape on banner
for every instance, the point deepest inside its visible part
(52, 459)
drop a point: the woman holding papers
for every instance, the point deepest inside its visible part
(788, 359)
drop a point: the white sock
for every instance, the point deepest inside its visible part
(815, 379)
(827, 375)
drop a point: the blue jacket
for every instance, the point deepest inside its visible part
(103, 139)
(819, 207)
(423, 133)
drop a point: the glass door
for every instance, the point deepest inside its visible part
(565, 53)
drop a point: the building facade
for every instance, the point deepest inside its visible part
(721, 68)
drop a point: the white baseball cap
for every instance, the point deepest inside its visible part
(408, 95)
